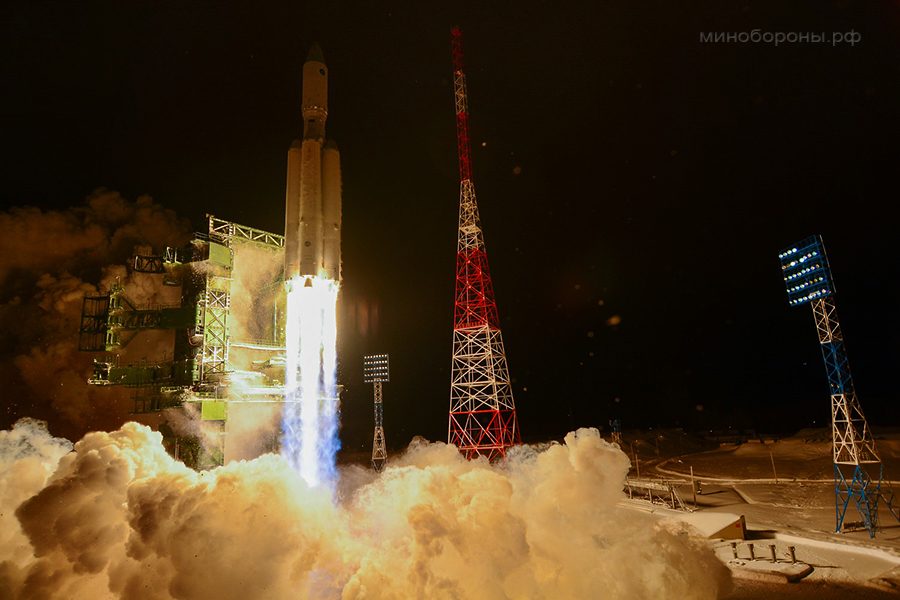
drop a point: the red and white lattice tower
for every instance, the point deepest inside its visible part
(482, 412)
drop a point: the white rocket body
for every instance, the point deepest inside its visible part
(312, 233)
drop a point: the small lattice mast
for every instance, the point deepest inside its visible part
(376, 370)
(857, 466)
(615, 426)
(482, 411)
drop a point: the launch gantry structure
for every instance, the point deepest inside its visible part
(482, 411)
(228, 367)
(218, 355)
(858, 471)
(376, 370)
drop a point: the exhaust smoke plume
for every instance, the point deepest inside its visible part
(118, 518)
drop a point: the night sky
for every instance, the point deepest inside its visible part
(635, 185)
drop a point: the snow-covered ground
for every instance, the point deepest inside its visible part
(790, 504)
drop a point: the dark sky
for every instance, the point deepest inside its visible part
(616, 159)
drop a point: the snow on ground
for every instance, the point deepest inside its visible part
(805, 590)
(805, 456)
(792, 505)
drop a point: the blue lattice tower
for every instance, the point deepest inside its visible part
(376, 370)
(615, 426)
(857, 467)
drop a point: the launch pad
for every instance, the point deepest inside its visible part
(253, 357)
(227, 363)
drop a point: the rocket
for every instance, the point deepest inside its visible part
(312, 225)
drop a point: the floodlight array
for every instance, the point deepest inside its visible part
(807, 275)
(376, 368)
(802, 272)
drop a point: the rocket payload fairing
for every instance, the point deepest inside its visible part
(312, 226)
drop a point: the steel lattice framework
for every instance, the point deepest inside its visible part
(615, 426)
(216, 304)
(482, 412)
(857, 466)
(376, 370)
(225, 230)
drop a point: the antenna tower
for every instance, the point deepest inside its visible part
(376, 370)
(482, 411)
(857, 467)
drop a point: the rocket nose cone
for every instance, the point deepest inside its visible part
(315, 54)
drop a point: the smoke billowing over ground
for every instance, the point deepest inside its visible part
(119, 518)
(48, 260)
(116, 517)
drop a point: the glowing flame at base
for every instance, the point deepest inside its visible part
(309, 417)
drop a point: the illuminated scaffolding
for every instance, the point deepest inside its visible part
(858, 471)
(207, 368)
(376, 370)
(482, 411)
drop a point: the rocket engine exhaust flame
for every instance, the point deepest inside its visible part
(311, 409)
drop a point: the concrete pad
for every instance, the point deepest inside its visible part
(761, 570)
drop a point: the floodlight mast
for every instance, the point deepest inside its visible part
(807, 277)
(376, 370)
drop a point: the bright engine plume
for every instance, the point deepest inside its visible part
(310, 414)
(312, 276)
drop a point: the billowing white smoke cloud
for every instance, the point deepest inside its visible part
(120, 519)
(28, 457)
